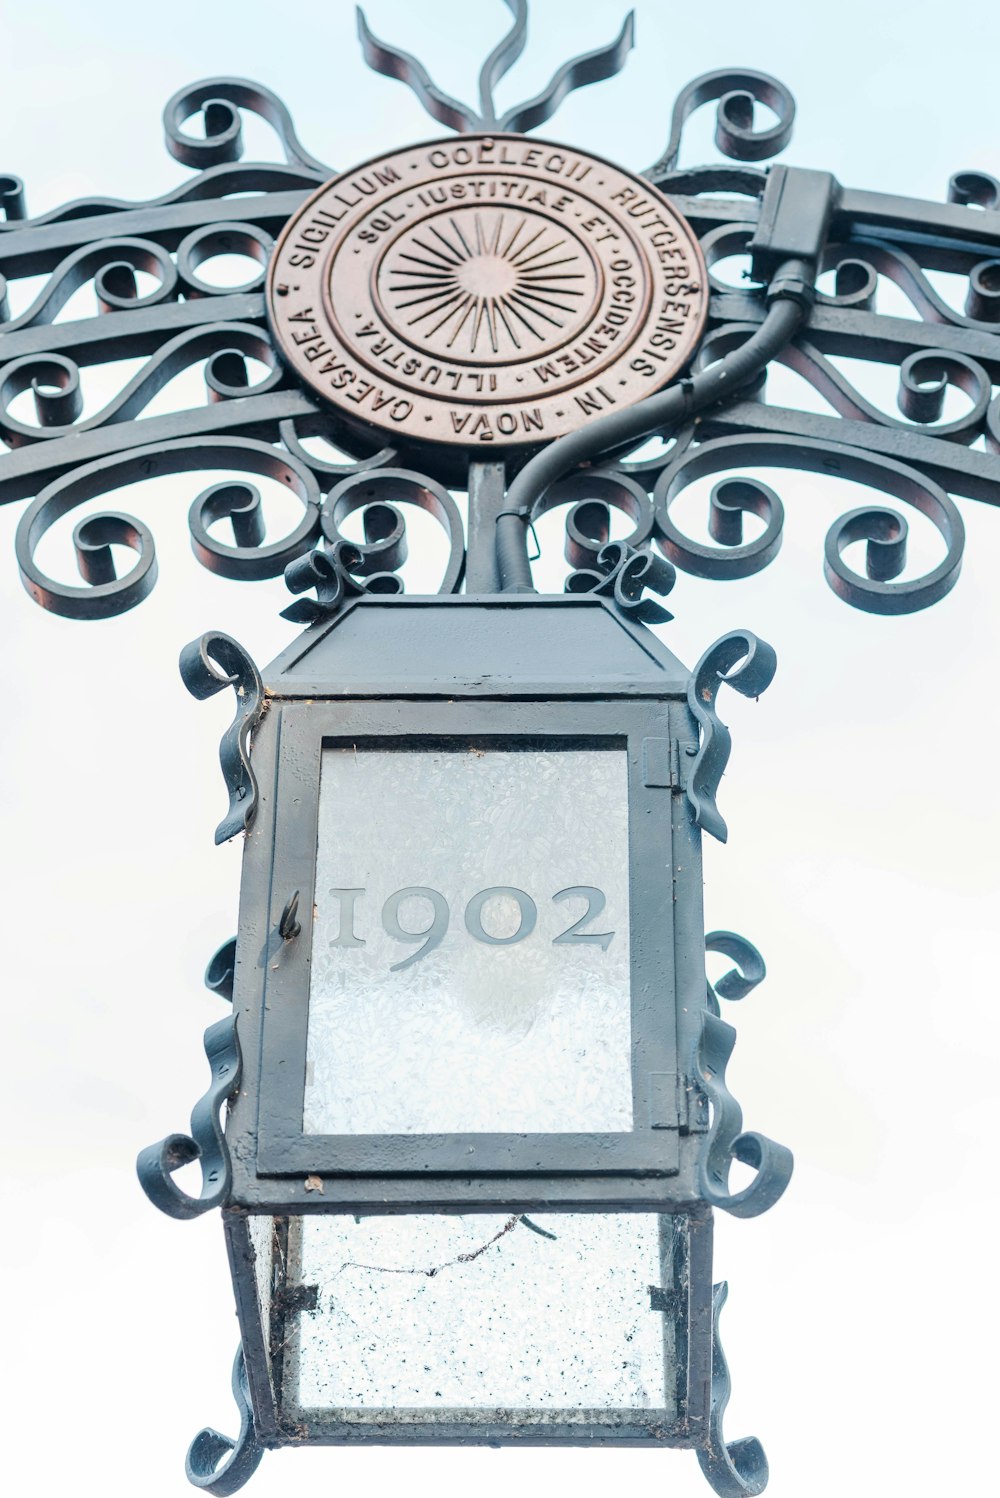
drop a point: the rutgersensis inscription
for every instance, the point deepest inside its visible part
(486, 290)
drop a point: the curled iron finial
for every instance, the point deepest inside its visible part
(738, 90)
(206, 1142)
(746, 664)
(207, 666)
(726, 1142)
(740, 1469)
(221, 970)
(589, 67)
(329, 574)
(741, 979)
(623, 574)
(239, 1459)
(220, 102)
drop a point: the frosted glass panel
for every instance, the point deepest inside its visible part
(556, 1317)
(261, 1232)
(470, 960)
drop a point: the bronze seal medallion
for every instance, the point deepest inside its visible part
(485, 292)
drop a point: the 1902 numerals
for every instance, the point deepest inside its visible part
(432, 935)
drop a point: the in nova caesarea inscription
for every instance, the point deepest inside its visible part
(496, 291)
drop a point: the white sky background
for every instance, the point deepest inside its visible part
(861, 796)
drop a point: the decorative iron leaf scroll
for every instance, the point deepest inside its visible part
(155, 301)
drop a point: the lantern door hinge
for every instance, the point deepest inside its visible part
(667, 762)
(692, 1106)
(676, 1102)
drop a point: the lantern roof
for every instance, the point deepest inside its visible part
(519, 645)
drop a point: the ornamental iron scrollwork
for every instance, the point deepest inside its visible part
(736, 91)
(741, 979)
(329, 575)
(747, 664)
(623, 574)
(206, 1142)
(884, 529)
(221, 102)
(739, 1469)
(207, 666)
(221, 970)
(218, 1464)
(377, 493)
(725, 1140)
(179, 318)
(591, 67)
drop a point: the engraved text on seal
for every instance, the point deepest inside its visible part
(485, 290)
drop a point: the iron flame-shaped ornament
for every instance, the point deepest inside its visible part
(511, 318)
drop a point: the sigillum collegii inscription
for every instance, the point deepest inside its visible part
(489, 290)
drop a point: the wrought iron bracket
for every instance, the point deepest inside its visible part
(740, 1469)
(208, 665)
(206, 1142)
(721, 663)
(242, 1455)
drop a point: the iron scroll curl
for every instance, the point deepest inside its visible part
(220, 101)
(739, 1469)
(742, 979)
(725, 1140)
(55, 381)
(747, 664)
(377, 492)
(209, 665)
(623, 574)
(108, 594)
(737, 90)
(219, 1464)
(884, 529)
(206, 1142)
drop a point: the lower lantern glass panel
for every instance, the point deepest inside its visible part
(264, 1245)
(554, 1319)
(470, 966)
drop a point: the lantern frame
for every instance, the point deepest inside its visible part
(327, 690)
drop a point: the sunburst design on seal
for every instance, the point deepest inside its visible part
(488, 284)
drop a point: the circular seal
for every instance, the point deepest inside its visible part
(486, 292)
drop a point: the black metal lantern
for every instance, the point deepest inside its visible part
(478, 1097)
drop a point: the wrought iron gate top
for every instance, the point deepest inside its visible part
(259, 409)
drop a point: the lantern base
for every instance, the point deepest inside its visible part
(553, 1329)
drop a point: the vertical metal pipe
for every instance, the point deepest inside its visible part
(487, 492)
